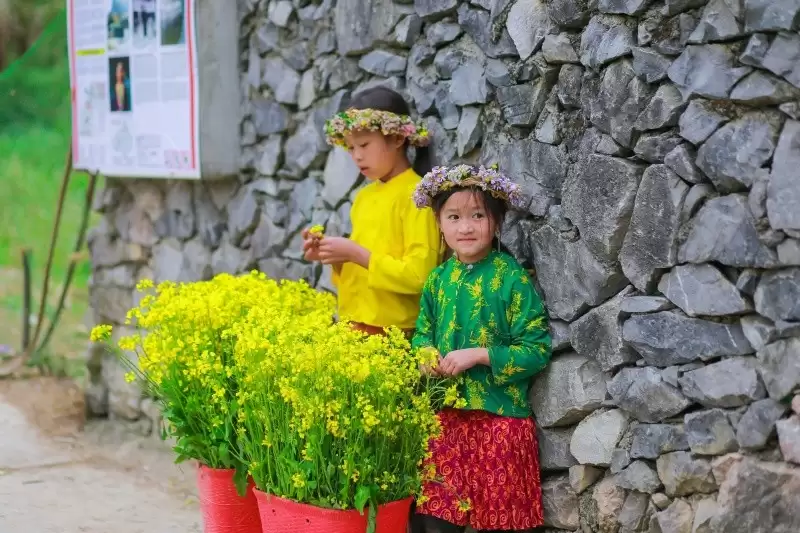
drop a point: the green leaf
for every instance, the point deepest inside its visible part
(372, 520)
(362, 497)
(224, 453)
(240, 480)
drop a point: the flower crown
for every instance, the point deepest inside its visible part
(374, 120)
(442, 179)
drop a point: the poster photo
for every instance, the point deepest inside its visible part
(134, 80)
(119, 25)
(173, 22)
(145, 28)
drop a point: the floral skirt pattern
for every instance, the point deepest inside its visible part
(486, 472)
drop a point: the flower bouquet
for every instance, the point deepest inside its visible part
(184, 355)
(334, 424)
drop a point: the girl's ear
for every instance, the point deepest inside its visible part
(397, 141)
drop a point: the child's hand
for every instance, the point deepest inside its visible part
(433, 368)
(459, 361)
(337, 250)
(310, 246)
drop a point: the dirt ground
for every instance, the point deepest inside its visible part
(62, 474)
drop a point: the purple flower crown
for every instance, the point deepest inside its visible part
(442, 179)
(374, 120)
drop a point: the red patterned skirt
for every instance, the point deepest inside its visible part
(486, 472)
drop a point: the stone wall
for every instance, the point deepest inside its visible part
(659, 144)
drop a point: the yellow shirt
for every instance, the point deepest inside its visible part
(404, 245)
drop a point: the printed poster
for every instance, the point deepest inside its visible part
(133, 77)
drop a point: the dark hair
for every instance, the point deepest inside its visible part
(496, 208)
(385, 99)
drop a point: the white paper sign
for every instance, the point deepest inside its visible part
(133, 77)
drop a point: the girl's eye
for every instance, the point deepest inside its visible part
(364, 145)
(477, 215)
(452, 217)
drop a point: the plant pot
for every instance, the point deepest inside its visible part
(224, 511)
(279, 515)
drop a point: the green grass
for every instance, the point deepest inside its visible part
(34, 138)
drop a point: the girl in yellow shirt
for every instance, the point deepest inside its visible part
(380, 270)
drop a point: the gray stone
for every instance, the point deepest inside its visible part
(434, 9)
(469, 85)
(554, 454)
(728, 383)
(620, 459)
(269, 117)
(669, 338)
(789, 438)
(196, 261)
(757, 425)
(280, 12)
(758, 330)
(778, 295)
(559, 335)
(528, 24)
(460, 52)
(599, 200)
(747, 486)
(608, 146)
(785, 330)
(268, 239)
(540, 170)
(761, 89)
(623, 7)
(681, 161)
(663, 110)
(497, 73)
(522, 104)
(281, 79)
(478, 25)
(615, 102)
(383, 63)
(652, 440)
(654, 147)
(447, 109)
(304, 147)
(700, 119)
(565, 392)
(704, 512)
(718, 22)
(639, 476)
(673, 7)
(783, 191)
(558, 49)
(344, 71)
(606, 38)
(307, 92)
(789, 252)
(645, 304)
(779, 367)
(783, 57)
(469, 131)
(635, 513)
(443, 146)
(441, 33)
(683, 475)
(702, 290)
(608, 499)
(421, 54)
(649, 65)
(598, 334)
(568, 89)
(651, 243)
(597, 435)
(268, 158)
(407, 30)
(791, 109)
(710, 433)
(660, 500)
(756, 50)
(581, 477)
(643, 393)
(587, 282)
(569, 13)
(548, 128)
(706, 70)
(677, 518)
(669, 37)
(560, 504)
(748, 280)
(771, 15)
(724, 231)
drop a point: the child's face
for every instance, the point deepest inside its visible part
(375, 154)
(467, 227)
